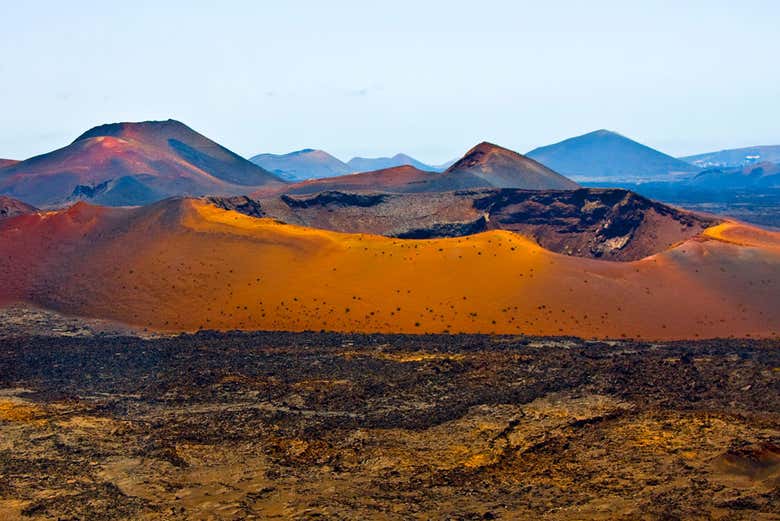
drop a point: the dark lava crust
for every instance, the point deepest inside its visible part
(334, 426)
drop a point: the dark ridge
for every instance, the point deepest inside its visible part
(88, 192)
(239, 203)
(592, 223)
(123, 191)
(445, 230)
(335, 198)
(550, 206)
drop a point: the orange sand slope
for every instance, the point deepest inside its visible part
(184, 265)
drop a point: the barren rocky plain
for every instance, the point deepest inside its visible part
(99, 422)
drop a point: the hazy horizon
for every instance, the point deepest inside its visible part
(430, 80)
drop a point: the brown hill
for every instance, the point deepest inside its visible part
(484, 166)
(141, 162)
(399, 179)
(10, 207)
(502, 168)
(7, 162)
(184, 264)
(611, 224)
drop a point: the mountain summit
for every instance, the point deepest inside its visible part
(186, 145)
(604, 154)
(133, 163)
(502, 168)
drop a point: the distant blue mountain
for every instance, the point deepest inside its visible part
(603, 155)
(302, 164)
(736, 157)
(369, 164)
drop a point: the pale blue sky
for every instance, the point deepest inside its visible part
(364, 78)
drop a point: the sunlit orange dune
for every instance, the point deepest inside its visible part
(744, 235)
(184, 265)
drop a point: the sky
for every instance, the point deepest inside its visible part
(428, 78)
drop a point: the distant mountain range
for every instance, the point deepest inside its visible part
(131, 164)
(606, 155)
(762, 175)
(596, 156)
(736, 157)
(128, 164)
(484, 166)
(364, 164)
(309, 163)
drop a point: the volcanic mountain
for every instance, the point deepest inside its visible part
(183, 264)
(484, 166)
(302, 164)
(10, 207)
(138, 162)
(606, 155)
(491, 165)
(610, 224)
(753, 176)
(736, 157)
(369, 164)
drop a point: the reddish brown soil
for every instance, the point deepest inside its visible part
(10, 207)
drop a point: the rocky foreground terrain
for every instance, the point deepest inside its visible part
(327, 426)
